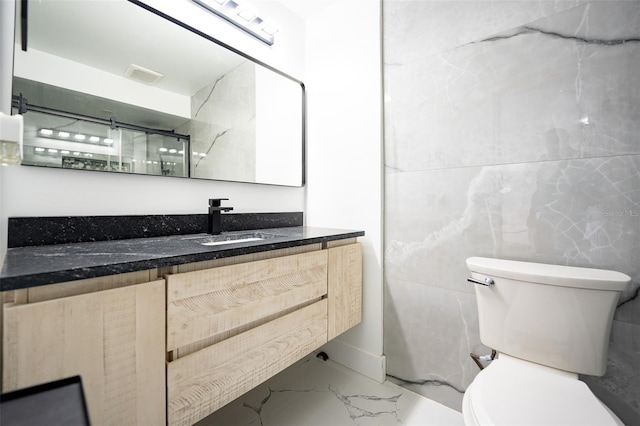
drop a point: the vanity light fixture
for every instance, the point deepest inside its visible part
(242, 17)
(246, 13)
(269, 28)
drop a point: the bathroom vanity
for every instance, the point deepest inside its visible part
(168, 329)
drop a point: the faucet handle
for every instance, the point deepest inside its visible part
(215, 202)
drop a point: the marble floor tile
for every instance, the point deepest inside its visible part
(316, 392)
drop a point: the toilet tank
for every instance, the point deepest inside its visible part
(558, 316)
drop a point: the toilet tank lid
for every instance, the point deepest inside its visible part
(566, 276)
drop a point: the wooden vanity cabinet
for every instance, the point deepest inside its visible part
(230, 328)
(172, 351)
(114, 339)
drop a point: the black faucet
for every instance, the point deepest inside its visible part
(215, 218)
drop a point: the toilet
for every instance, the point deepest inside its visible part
(548, 324)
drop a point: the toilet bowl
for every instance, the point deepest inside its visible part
(520, 393)
(548, 324)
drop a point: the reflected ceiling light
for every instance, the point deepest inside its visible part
(241, 16)
(52, 150)
(163, 150)
(173, 151)
(64, 151)
(38, 149)
(77, 137)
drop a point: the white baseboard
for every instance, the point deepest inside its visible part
(365, 363)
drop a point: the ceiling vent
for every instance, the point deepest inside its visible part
(143, 75)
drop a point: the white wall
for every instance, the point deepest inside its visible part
(343, 82)
(31, 191)
(6, 71)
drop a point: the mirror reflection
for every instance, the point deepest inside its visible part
(112, 86)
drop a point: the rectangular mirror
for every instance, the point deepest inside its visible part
(118, 86)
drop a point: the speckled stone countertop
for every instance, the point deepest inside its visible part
(36, 265)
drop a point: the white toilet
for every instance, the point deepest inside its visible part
(548, 323)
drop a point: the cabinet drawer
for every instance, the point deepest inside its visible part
(206, 303)
(201, 382)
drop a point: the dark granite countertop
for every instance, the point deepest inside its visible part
(37, 265)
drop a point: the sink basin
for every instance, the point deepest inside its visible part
(233, 238)
(238, 240)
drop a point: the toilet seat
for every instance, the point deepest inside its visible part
(516, 392)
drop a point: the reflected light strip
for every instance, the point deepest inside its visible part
(75, 137)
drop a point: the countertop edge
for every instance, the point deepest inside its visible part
(24, 281)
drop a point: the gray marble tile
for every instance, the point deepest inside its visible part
(553, 89)
(581, 212)
(416, 29)
(429, 334)
(223, 117)
(619, 388)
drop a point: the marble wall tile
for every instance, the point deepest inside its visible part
(517, 142)
(223, 118)
(429, 334)
(494, 101)
(583, 212)
(417, 29)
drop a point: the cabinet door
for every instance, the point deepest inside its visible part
(344, 289)
(113, 339)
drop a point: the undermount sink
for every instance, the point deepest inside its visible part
(238, 240)
(233, 238)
